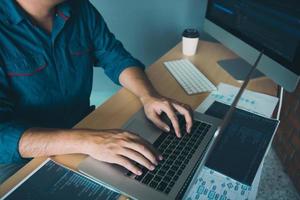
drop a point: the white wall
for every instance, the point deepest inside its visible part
(148, 29)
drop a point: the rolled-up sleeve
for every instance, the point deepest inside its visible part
(11, 129)
(109, 53)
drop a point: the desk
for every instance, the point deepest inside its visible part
(118, 109)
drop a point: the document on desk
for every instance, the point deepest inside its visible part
(211, 184)
(52, 181)
(250, 101)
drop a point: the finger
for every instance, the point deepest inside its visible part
(159, 123)
(137, 157)
(172, 116)
(187, 115)
(128, 164)
(136, 138)
(152, 149)
(143, 149)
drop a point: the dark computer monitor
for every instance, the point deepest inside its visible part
(251, 26)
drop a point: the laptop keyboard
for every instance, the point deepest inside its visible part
(176, 152)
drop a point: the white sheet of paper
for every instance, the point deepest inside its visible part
(253, 102)
(211, 184)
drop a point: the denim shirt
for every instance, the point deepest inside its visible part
(46, 78)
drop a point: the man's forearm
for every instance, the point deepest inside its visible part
(112, 146)
(135, 80)
(38, 142)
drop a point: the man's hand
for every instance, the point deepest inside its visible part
(134, 79)
(123, 148)
(112, 146)
(154, 106)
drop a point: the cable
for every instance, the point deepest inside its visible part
(280, 103)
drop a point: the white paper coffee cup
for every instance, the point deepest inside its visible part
(190, 40)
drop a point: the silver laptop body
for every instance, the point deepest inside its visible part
(115, 177)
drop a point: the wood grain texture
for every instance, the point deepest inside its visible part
(287, 138)
(120, 107)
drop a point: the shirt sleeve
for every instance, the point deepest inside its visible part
(109, 52)
(11, 129)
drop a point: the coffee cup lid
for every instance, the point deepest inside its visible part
(190, 33)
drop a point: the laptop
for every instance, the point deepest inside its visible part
(183, 157)
(172, 176)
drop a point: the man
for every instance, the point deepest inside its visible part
(48, 50)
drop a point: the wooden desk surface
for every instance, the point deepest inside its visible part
(118, 109)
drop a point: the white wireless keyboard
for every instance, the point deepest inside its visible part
(189, 77)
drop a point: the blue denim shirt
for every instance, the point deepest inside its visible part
(46, 79)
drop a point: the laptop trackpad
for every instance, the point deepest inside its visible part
(143, 128)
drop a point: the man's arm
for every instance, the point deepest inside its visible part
(136, 81)
(18, 139)
(38, 142)
(11, 128)
(112, 146)
(122, 68)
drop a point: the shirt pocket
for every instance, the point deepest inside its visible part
(81, 56)
(29, 66)
(78, 50)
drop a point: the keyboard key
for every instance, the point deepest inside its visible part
(162, 186)
(175, 178)
(165, 156)
(182, 167)
(172, 147)
(174, 167)
(180, 147)
(171, 173)
(157, 178)
(162, 147)
(159, 140)
(186, 161)
(177, 151)
(162, 172)
(168, 189)
(153, 184)
(179, 172)
(184, 153)
(141, 176)
(171, 184)
(178, 162)
(167, 178)
(147, 178)
(169, 162)
(181, 157)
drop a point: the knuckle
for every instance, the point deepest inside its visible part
(114, 148)
(142, 147)
(122, 142)
(126, 133)
(144, 150)
(167, 103)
